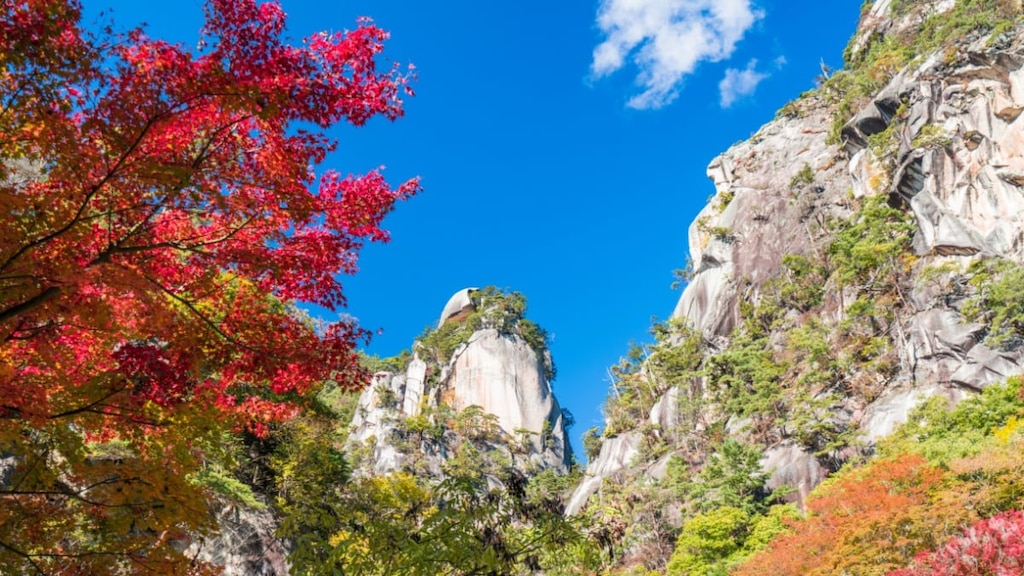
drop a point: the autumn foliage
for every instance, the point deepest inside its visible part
(919, 508)
(159, 217)
(869, 522)
(992, 546)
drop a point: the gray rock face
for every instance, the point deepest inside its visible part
(759, 215)
(664, 413)
(958, 167)
(616, 455)
(245, 545)
(414, 379)
(882, 416)
(374, 421)
(503, 375)
(793, 467)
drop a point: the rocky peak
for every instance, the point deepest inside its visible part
(484, 372)
(459, 306)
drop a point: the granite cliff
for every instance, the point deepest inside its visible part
(483, 360)
(859, 256)
(860, 259)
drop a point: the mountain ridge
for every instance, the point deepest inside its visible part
(841, 275)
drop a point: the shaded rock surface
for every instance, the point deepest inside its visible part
(245, 544)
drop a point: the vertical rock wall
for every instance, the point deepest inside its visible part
(498, 372)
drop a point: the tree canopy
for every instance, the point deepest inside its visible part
(160, 217)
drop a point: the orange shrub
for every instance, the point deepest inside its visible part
(867, 521)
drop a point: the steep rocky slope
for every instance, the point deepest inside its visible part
(862, 253)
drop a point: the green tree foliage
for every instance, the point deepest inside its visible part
(493, 308)
(967, 19)
(803, 285)
(396, 525)
(592, 443)
(745, 379)
(647, 372)
(868, 251)
(707, 540)
(712, 542)
(942, 434)
(999, 301)
(676, 357)
(477, 514)
(732, 477)
(374, 364)
(309, 467)
(633, 392)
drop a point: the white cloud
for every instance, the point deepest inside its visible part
(667, 40)
(739, 83)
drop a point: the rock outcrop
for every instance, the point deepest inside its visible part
(492, 370)
(481, 379)
(245, 544)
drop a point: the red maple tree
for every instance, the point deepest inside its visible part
(159, 217)
(994, 546)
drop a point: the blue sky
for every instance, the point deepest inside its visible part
(561, 145)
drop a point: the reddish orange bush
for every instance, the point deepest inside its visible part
(993, 546)
(867, 522)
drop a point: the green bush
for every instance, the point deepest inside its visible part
(941, 434)
(802, 178)
(869, 249)
(591, 443)
(731, 476)
(223, 483)
(999, 301)
(495, 309)
(712, 542)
